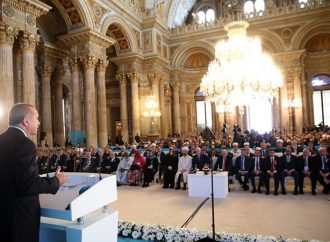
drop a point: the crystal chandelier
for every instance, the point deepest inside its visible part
(240, 73)
(152, 108)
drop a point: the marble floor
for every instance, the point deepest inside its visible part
(304, 216)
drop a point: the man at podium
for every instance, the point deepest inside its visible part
(20, 183)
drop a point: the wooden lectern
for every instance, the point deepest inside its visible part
(79, 211)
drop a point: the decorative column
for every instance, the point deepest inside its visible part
(123, 106)
(46, 117)
(176, 108)
(59, 123)
(284, 100)
(154, 79)
(163, 126)
(76, 106)
(7, 37)
(28, 45)
(298, 96)
(102, 103)
(89, 63)
(135, 104)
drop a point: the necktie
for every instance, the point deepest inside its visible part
(257, 164)
(323, 161)
(306, 164)
(273, 165)
(224, 164)
(243, 164)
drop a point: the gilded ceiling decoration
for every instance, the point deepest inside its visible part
(319, 43)
(72, 11)
(197, 60)
(116, 33)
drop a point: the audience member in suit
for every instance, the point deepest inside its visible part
(213, 158)
(288, 163)
(110, 163)
(224, 163)
(322, 169)
(257, 164)
(62, 159)
(242, 167)
(184, 167)
(160, 157)
(88, 163)
(151, 168)
(272, 169)
(305, 168)
(199, 160)
(20, 183)
(170, 165)
(264, 150)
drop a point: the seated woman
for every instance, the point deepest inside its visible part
(135, 171)
(151, 168)
(123, 168)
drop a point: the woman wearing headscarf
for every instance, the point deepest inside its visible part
(151, 168)
(136, 169)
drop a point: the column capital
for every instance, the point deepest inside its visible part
(74, 64)
(60, 72)
(89, 61)
(176, 86)
(102, 65)
(7, 34)
(122, 79)
(46, 72)
(154, 78)
(134, 77)
(29, 41)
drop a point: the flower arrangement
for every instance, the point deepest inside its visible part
(133, 230)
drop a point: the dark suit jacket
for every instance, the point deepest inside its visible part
(200, 162)
(278, 166)
(288, 165)
(20, 186)
(318, 164)
(228, 164)
(261, 164)
(300, 164)
(247, 163)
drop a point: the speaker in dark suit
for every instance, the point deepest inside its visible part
(20, 183)
(305, 168)
(272, 168)
(288, 163)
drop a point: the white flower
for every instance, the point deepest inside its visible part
(135, 235)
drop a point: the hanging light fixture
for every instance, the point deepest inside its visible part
(240, 73)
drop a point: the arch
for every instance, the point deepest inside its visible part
(175, 7)
(110, 19)
(197, 60)
(303, 35)
(181, 54)
(72, 9)
(270, 42)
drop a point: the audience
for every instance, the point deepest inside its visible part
(246, 156)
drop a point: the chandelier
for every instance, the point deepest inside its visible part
(240, 73)
(152, 108)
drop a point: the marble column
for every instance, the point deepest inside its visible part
(163, 124)
(59, 123)
(89, 63)
(284, 100)
(176, 108)
(76, 105)
(123, 106)
(28, 45)
(102, 103)
(298, 96)
(46, 117)
(154, 79)
(136, 126)
(7, 37)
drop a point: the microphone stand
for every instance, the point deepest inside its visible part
(212, 200)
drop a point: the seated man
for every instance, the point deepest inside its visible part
(272, 168)
(184, 167)
(256, 169)
(199, 160)
(288, 169)
(242, 167)
(224, 163)
(305, 168)
(322, 169)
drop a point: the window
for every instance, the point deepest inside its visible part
(321, 99)
(252, 7)
(260, 116)
(204, 114)
(206, 15)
